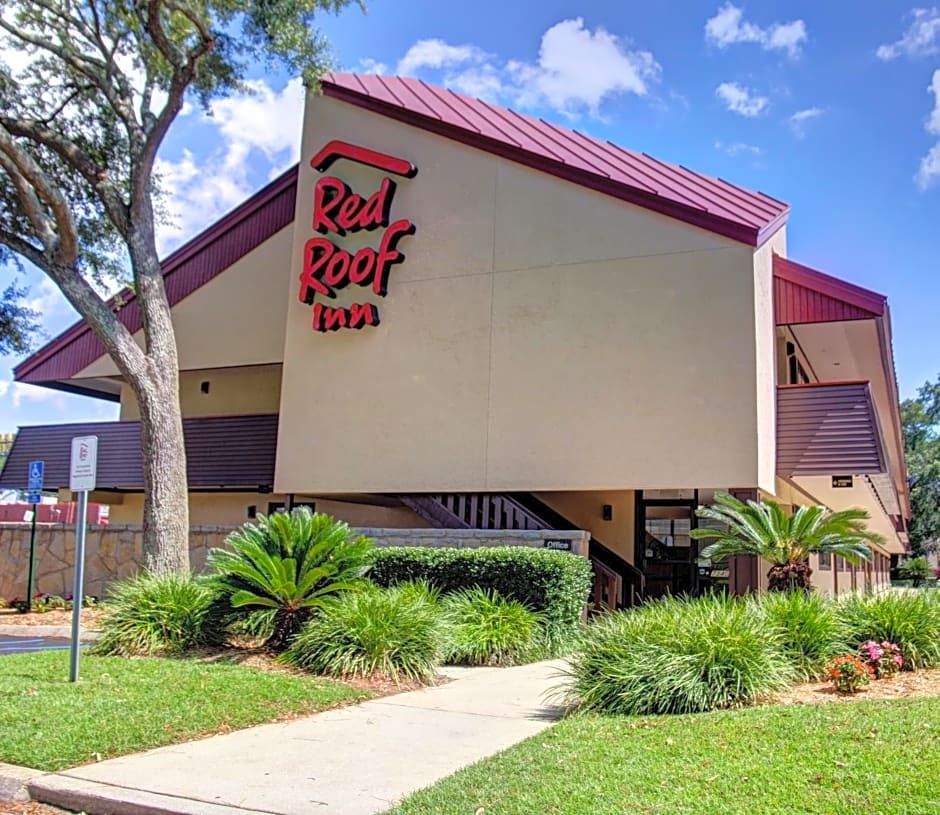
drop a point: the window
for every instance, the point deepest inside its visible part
(825, 561)
(796, 373)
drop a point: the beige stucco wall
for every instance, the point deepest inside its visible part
(237, 318)
(584, 509)
(538, 336)
(232, 391)
(765, 346)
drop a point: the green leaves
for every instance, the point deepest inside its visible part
(764, 530)
(292, 562)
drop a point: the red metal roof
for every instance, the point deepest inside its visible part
(185, 270)
(670, 189)
(804, 295)
(221, 452)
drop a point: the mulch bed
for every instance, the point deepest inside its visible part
(10, 616)
(905, 685)
(29, 808)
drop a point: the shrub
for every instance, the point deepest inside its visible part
(885, 658)
(849, 673)
(395, 633)
(911, 620)
(554, 585)
(807, 627)
(486, 629)
(678, 656)
(159, 614)
(289, 562)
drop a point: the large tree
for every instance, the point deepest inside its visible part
(17, 321)
(96, 87)
(921, 418)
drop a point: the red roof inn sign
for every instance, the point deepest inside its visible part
(338, 210)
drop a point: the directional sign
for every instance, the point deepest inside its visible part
(84, 465)
(36, 469)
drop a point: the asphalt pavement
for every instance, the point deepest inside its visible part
(27, 643)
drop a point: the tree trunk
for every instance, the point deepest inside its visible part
(166, 487)
(166, 492)
(789, 577)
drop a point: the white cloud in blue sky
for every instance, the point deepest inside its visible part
(577, 69)
(728, 27)
(919, 40)
(742, 100)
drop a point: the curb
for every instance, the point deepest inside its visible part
(14, 781)
(94, 798)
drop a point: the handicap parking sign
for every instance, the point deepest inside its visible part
(35, 475)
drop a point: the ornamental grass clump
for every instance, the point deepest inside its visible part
(395, 633)
(154, 614)
(485, 628)
(807, 627)
(683, 655)
(910, 620)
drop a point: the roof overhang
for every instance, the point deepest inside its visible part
(844, 333)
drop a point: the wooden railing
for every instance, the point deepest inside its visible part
(489, 511)
(608, 586)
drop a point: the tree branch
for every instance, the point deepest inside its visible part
(79, 161)
(66, 246)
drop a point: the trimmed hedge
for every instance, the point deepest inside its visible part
(555, 585)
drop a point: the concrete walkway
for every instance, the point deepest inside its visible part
(351, 761)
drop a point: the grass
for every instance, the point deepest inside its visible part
(864, 757)
(122, 706)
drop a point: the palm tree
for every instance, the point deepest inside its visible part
(291, 563)
(764, 530)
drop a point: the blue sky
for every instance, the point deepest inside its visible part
(832, 107)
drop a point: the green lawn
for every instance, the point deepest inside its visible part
(122, 705)
(865, 757)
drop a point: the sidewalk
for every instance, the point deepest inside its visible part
(350, 761)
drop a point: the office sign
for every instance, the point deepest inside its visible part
(83, 469)
(842, 482)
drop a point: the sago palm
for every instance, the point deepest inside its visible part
(289, 562)
(764, 530)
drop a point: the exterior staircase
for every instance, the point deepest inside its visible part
(617, 583)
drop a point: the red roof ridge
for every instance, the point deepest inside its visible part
(672, 190)
(850, 293)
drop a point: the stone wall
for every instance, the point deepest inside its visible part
(112, 552)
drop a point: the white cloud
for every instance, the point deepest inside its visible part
(371, 66)
(929, 169)
(577, 68)
(919, 40)
(580, 68)
(261, 124)
(799, 120)
(437, 54)
(728, 27)
(738, 148)
(739, 99)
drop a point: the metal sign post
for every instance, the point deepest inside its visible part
(82, 472)
(36, 469)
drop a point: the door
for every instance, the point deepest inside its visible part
(666, 553)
